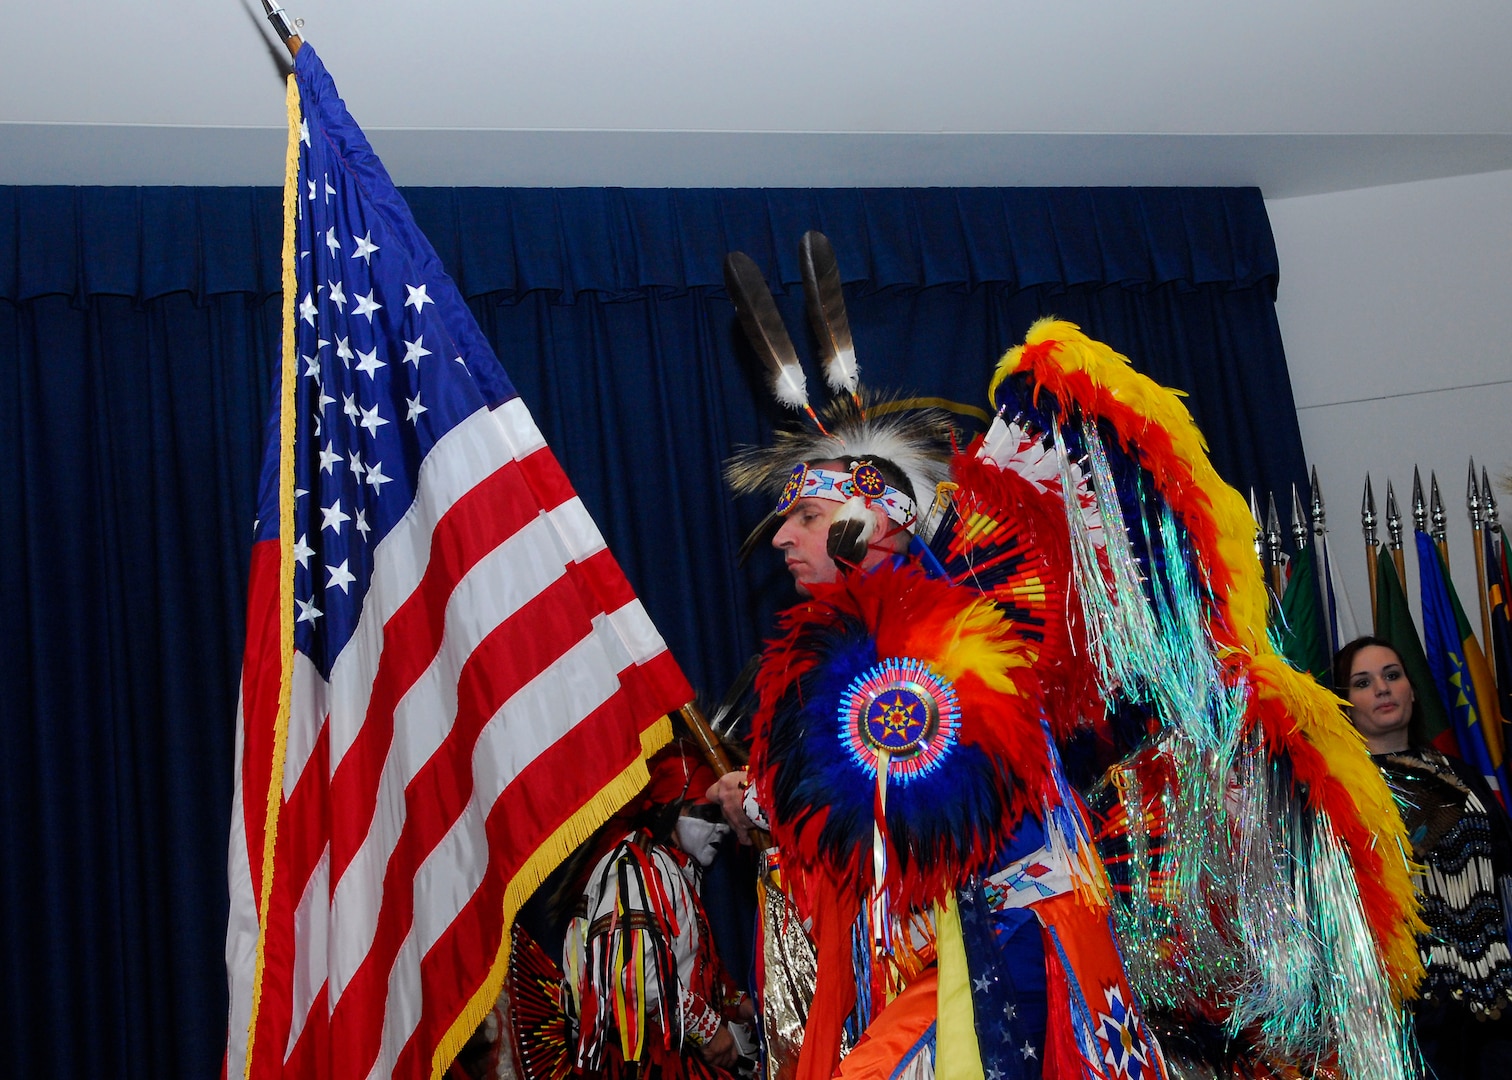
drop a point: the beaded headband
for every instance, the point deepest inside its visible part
(864, 481)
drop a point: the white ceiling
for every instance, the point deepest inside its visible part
(1295, 96)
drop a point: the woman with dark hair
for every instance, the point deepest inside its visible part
(1461, 839)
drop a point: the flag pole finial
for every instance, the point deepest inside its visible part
(1299, 526)
(1259, 529)
(1419, 506)
(1394, 534)
(1490, 512)
(1476, 501)
(1368, 517)
(1273, 542)
(286, 28)
(1473, 500)
(1436, 508)
(1438, 518)
(1368, 527)
(1319, 527)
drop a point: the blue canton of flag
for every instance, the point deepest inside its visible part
(385, 370)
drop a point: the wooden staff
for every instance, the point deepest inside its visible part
(708, 742)
(714, 752)
(1368, 527)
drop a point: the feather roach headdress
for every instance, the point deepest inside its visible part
(853, 429)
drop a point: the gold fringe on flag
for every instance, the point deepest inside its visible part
(285, 550)
(571, 833)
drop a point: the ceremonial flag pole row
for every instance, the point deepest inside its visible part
(448, 683)
(1465, 692)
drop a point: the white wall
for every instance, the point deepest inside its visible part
(1395, 306)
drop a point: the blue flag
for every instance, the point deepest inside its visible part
(1453, 655)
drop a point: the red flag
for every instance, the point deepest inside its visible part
(448, 682)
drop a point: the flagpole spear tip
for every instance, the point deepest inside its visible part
(1317, 503)
(286, 28)
(1299, 525)
(1490, 513)
(1419, 506)
(1436, 509)
(1393, 518)
(1368, 514)
(1473, 500)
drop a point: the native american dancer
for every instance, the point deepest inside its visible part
(640, 991)
(966, 612)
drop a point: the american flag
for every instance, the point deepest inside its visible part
(448, 681)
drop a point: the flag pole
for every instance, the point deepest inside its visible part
(713, 749)
(1490, 527)
(1273, 544)
(1438, 517)
(287, 29)
(1299, 526)
(1394, 533)
(1419, 505)
(1319, 547)
(1368, 527)
(1473, 503)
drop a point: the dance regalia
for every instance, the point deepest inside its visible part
(645, 987)
(1083, 559)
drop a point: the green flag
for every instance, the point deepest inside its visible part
(1304, 636)
(1393, 622)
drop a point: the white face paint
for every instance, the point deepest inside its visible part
(698, 838)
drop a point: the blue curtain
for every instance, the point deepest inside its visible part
(137, 336)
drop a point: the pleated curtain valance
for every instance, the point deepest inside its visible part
(506, 242)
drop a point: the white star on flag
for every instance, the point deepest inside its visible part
(329, 459)
(332, 517)
(331, 241)
(366, 305)
(415, 408)
(368, 362)
(340, 576)
(365, 247)
(308, 612)
(302, 552)
(307, 310)
(371, 420)
(376, 478)
(417, 298)
(414, 350)
(338, 297)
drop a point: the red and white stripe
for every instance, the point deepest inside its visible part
(499, 677)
